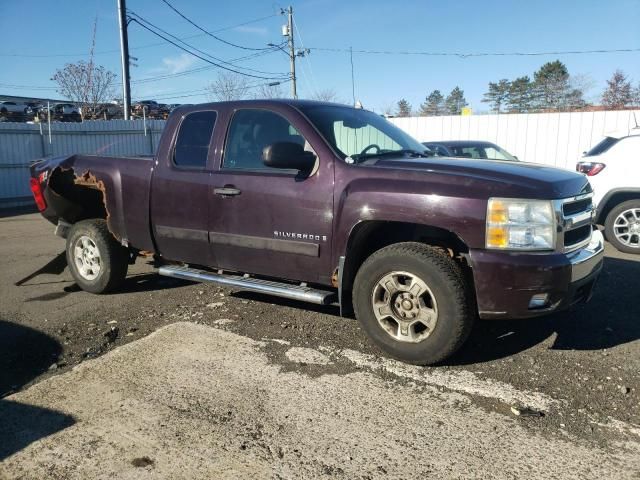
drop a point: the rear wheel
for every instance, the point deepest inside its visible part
(97, 261)
(412, 301)
(622, 226)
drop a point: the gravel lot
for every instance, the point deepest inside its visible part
(580, 368)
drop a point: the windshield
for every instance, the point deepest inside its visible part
(357, 135)
(602, 146)
(486, 151)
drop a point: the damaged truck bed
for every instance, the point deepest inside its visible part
(80, 187)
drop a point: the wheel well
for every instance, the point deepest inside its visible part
(614, 200)
(370, 236)
(76, 198)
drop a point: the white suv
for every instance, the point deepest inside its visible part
(12, 107)
(613, 168)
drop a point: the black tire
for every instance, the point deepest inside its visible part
(610, 223)
(113, 257)
(445, 280)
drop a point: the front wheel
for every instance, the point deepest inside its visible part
(622, 226)
(98, 263)
(413, 302)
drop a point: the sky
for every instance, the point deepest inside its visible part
(40, 36)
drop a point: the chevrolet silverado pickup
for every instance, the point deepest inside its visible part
(330, 204)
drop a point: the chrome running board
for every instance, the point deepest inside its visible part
(286, 290)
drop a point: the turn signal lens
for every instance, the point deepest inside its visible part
(497, 237)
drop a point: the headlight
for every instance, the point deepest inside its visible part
(514, 224)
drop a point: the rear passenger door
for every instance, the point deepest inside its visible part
(266, 220)
(180, 191)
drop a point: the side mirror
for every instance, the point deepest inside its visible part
(516, 157)
(288, 155)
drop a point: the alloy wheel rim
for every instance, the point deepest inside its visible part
(626, 228)
(404, 307)
(87, 258)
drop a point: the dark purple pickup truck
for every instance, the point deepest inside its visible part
(332, 205)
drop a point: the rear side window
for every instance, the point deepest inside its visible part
(602, 147)
(192, 144)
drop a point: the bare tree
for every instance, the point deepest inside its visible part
(228, 86)
(85, 84)
(270, 91)
(326, 95)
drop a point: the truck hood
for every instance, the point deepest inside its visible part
(495, 177)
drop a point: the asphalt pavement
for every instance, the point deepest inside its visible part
(84, 383)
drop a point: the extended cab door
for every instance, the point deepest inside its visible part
(265, 220)
(180, 189)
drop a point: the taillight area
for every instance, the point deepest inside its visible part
(36, 189)
(590, 168)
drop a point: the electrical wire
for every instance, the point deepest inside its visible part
(139, 47)
(206, 31)
(190, 93)
(188, 72)
(475, 54)
(201, 57)
(314, 87)
(139, 19)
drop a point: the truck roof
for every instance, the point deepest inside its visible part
(267, 102)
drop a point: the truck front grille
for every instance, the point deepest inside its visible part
(577, 236)
(576, 221)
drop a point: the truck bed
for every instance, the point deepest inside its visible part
(89, 186)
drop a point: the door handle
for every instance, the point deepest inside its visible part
(226, 191)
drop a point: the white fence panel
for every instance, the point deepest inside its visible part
(551, 138)
(22, 143)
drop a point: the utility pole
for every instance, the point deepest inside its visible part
(292, 52)
(124, 54)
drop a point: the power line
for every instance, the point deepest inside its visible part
(139, 47)
(216, 59)
(26, 87)
(475, 54)
(308, 62)
(190, 93)
(197, 70)
(206, 31)
(201, 57)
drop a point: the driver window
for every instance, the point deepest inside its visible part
(250, 131)
(353, 140)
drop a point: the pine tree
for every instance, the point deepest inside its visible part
(618, 93)
(433, 105)
(520, 95)
(553, 88)
(455, 101)
(497, 94)
(404, 108)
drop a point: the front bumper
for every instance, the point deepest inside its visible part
(505, 282)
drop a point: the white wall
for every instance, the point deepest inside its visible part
(22, 143)
(551, 138)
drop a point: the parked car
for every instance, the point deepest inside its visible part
(278, 197)
(613, 168)
(469, 149)
(151, 108)
(60, 112)
(12, 107)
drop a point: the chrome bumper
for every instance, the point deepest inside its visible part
(588, 260)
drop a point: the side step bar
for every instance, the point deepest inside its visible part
(286, 290)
